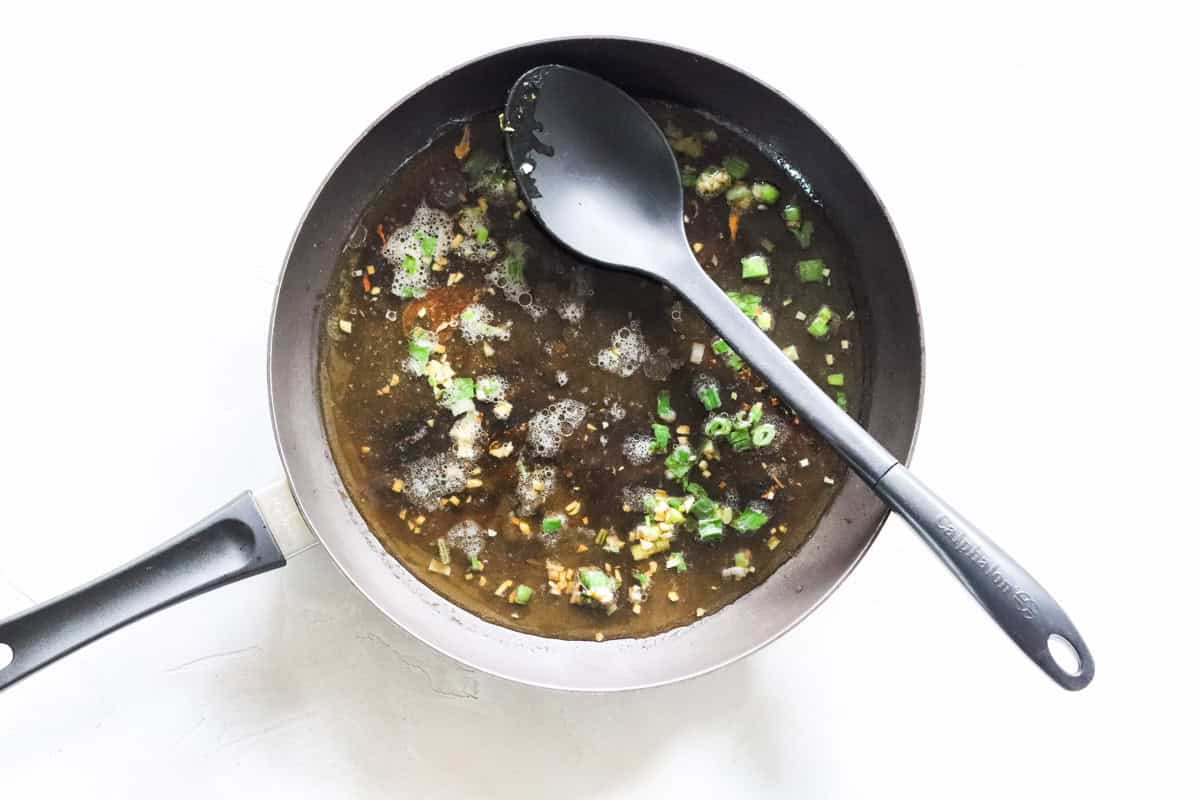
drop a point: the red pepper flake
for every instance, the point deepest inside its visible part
(366, 284)
(379, 230)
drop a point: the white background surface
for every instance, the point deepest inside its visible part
(1040, 164)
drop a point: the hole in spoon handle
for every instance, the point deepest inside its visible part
(1017, 602)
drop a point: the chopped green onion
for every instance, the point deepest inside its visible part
(687, 176)
(665, 412)
(741, 559)
(420, 345)
(739, 440)
(736, 167)
(643, 578)
(755, 266)
(836, 379)
(710, 530)
(750, 519)
(720, 347)
(818, 328)
(709, 396)
(750, 304)
(409, 265)
(680, 462)
(762, 435)
(476, 564)
(662, 438)
(428, 244)
(804, 235)
(481, 234)
(523, 594)
(739, 196)
(676, 562)
(811, 270)
(791, 215)
(734, 362)
(842, 401)
(756, 412)
(765, 193)
(552, 523)
(592, 579)
(488, 388)
(718, 426)
(697, 491)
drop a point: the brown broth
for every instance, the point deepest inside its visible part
(380, 425)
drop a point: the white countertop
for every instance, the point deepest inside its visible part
(1041, 167)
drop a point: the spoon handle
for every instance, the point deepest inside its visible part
(1017, 602)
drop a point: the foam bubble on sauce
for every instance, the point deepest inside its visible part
(475, 323)
(702, 382)
(627, 352)
(571, 311)
(533, 486)
(479, 252)
(432, 477)
(491, 388)
(638, 448)
(634, 497)
(406, 241)
(548, 427)
(561, 377)
(466, 536)
(658, 365)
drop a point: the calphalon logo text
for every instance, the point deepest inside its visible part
(1024, 603)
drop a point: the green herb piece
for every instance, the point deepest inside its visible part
(811, 270)
(741, 559)
(739, 196)
(643, 578)
(709, 396)
(755, 266)
(679, 462)
(818, 328)
(750, 519)
(662, 438)
(593, 579)
(836, 379)
(428, 244)
(736, 167)
(765, 193)
(762, 435)
(481, 234)
(739, 440)
(523, 594)
(476, 564)
(687, 176)
(676, 562)
(750, 304)
(718, 426)
(842, 401)
(791, 215)
(420, 345)
(710, 530)
(552, 523)
(665, 412)
(720, 347)
(804, 234)
(755, 414)
(488, 388)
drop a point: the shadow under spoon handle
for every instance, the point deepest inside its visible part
(1018, 603)
(230, 544)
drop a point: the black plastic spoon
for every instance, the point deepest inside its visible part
(600, 176)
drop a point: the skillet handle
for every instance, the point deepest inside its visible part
(1017, 602)
(230, 544)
